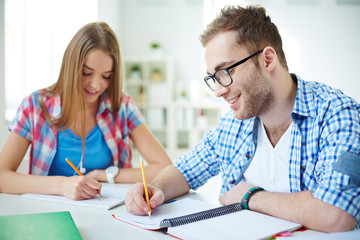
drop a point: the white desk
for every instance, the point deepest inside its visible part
(98, 224)
(92, 223)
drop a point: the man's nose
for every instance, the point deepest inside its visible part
(220, 90)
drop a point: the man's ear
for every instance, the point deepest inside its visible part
(269, 59)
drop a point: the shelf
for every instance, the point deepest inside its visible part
(178, 125)
(148, 80)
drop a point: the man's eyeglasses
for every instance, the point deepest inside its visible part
(223, 76)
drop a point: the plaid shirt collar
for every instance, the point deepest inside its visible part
(53, 104)
(303, 98)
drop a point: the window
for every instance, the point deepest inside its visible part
(36, 35)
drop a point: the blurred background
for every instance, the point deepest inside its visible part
(163, 58)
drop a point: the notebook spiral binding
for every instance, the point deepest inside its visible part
(211, 213)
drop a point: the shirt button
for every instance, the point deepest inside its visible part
(303, 167)
(247, 155)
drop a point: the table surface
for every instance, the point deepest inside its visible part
(97, 223)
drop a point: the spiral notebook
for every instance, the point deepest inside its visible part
(192, 219)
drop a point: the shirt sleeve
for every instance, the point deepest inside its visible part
(200, 164)
(21, 124)
(338, 166)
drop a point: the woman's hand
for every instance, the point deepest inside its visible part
(98, 175)
(80, 187)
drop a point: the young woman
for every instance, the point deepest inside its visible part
(85, 117)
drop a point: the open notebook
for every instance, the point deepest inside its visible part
(111, 197)
(223, 223)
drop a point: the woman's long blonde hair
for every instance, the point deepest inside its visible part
(69, 87)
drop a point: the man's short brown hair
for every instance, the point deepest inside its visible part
(254, 29)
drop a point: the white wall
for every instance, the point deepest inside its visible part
(327, 35)
(109, 12)
(176, 25)
(3, 124)
(320, 37)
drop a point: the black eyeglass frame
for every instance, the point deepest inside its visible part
(207, 78)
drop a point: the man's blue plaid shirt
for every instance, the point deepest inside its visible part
(324, 154)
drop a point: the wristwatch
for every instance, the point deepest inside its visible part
(111, 173)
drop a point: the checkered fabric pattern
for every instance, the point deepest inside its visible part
(116, 127)
(326, 129)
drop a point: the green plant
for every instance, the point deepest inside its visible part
(135, 68)
(156, 70)
(155, 45)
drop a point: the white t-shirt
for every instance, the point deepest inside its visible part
(269, 168)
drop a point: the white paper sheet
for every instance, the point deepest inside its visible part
(111, 197)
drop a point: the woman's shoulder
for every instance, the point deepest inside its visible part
(126, 99)
(106, 100)
(126, 105)
(43, 94)
(127, 112)
(32, 99)
(36, 99)
(126, 102)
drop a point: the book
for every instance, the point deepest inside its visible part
(111, 198)
(51, 225)
(193, 219)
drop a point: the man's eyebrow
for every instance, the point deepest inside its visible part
(219, 66)
(94, 69)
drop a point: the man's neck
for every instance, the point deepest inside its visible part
(278, 118)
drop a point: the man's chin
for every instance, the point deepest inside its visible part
(241, 115)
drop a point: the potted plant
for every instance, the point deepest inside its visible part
(135, 72)
(156, 75)
(156, 48)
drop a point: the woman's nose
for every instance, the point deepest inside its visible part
(95, 81)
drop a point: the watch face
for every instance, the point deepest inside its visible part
(112, 170)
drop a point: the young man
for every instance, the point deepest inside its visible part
(299, 141)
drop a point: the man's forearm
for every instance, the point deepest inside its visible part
(171, 182)
(303, 208)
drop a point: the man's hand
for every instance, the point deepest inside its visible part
(135, 201)
(295, 207)
(235, 194)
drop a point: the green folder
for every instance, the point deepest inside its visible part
(52, 225)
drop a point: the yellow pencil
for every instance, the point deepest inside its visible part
(77, 170)
(145, 185)
(74, 167)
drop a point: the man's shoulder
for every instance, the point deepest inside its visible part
(316, 96)
(323, 92)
